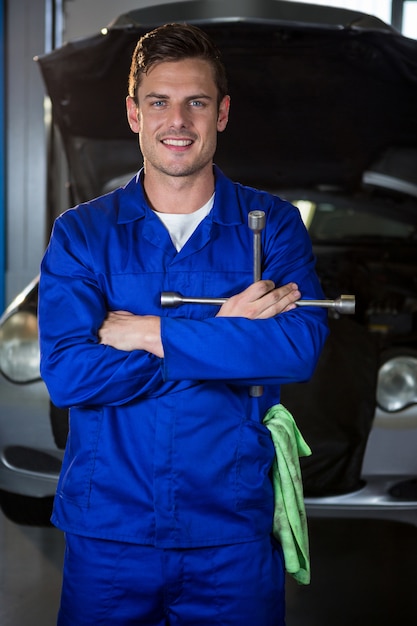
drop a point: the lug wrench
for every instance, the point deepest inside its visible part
(256, 222)
(345, 304)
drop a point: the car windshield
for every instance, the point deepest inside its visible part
(333, 218)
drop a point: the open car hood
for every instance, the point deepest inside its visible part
(320, 96)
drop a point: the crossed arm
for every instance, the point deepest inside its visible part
(125, 331)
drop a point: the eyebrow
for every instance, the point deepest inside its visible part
(161, 96)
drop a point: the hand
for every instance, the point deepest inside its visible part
(124, 331)
(261, 300)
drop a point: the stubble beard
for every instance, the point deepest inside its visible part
(180, 170)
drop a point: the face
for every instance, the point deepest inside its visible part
(178, 118)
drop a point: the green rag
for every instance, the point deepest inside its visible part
(290, 520)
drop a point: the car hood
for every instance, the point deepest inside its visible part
(321, 97)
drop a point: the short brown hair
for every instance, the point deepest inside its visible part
(175, 42)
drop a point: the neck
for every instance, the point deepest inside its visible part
(178, 194)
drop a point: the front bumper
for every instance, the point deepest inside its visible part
(381, 497)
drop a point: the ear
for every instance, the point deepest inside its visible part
(223, 115)
(132, 114)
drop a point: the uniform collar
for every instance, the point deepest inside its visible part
(226, 210)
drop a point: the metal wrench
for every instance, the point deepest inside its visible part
(343, 304)
(256, 222)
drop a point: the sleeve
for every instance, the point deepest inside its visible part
(76, 368)
(279, 350)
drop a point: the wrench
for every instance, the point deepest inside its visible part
(344, 304)
(256, 222)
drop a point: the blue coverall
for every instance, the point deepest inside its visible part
(171, 452)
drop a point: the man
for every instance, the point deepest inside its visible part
(165, 494)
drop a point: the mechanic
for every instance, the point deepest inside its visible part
(165, 493)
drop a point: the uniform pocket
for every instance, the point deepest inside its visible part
(80, 455)
(254, 459)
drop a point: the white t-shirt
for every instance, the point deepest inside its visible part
(182, 225)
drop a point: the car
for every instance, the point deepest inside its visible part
(323, 114)
(30, 460)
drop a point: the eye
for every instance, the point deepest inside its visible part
(196, 103)
(157, 104)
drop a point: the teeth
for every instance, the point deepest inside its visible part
(178, 142)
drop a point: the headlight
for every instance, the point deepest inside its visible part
(19, 348)
(397, 383)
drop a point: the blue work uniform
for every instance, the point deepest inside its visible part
(172, 452)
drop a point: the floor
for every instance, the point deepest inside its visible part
(364, 573)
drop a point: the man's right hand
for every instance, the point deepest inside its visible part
(125, 331)
(261, 300)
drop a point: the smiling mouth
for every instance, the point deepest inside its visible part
(179, 143)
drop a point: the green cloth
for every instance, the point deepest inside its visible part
(290, 520)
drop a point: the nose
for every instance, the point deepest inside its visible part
(178, 116)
